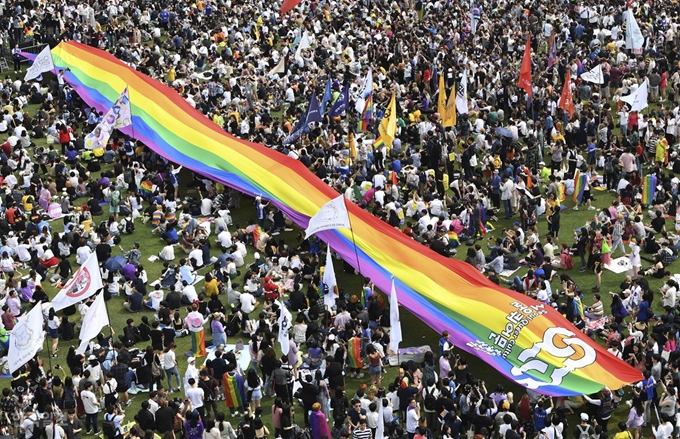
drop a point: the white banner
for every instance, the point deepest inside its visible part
(329, 280)
(462, 97)
(366, 90)
(26, 339)
(42, 63)
(118, 116)
(84, 283)
(285, 323)
(634, 37)
(332, 215)
(594, 75)
(638, 100)
(93, 322)
(395, 321)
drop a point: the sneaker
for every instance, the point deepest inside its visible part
(575, 207)
(352, 375)
(97, 433)
(629, 403)
(233, 414)
(591, 207)
(361, 375)
(88, 432)
(127, 403)
(582, 269)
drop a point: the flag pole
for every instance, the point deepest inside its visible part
(351, 229)
(49, 354)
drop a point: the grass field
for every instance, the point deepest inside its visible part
(416, 332)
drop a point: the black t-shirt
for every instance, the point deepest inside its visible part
(174, 300)
(658, 223)
(512, 434)
(482, 422)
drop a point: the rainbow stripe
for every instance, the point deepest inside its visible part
(648, 189)
(354, 353)
(444, 293)
(580, 183)
(198, 343)
(234, 391)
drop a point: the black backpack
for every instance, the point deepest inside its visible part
(108, 428)
(429, 400)
(129, 226)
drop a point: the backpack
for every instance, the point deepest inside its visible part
(127, 176)
(108, 428)
(583, 434)
(609, 166)
(115, 198)
(429, 374)
(429, 400)
(129, 226)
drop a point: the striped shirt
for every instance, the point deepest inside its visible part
(358, 433)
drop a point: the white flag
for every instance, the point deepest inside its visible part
(118, 116)
(462, 96)
(93, 322)
(332, 215)
(329, 280)
(638, 100)
(42, 63)
(594, 75)
(366, 90)
(304, 44)
(84, 283)
(380, 429)
(634, 37)
(279, 68)
(395, 323)
(26, 339)
(285, 323)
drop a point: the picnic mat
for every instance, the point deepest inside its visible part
(508, 273)
(157, 281)
(414, 353)
(619, 265)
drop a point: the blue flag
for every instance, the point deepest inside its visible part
(327, 95)
(298, 129)
(340, 104)
(313, 113)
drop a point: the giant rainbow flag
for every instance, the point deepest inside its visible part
(525, 340)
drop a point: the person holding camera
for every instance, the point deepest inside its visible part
(113, 419)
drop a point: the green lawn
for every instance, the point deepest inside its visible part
(416, 332)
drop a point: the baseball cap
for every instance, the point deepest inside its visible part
(191, 359)
(584, 416)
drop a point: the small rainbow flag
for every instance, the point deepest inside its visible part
(378, 142)
(561, 192)
(354, 353)
(366, 114)
(580, 183)
(648, 189)
(578, 306)
(453, 236)
(146, 188)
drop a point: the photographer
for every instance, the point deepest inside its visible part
(113, 419)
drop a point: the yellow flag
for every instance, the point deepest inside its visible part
(388, 124)
(441, 100)
(450, 119)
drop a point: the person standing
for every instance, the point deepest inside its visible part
(412, 417)
(91, 406)
(195, 322)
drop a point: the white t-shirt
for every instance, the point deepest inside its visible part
(195, 395)
(247, 302)
(156, 298)
(168, 360)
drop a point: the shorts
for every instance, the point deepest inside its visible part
(586, 196)
(374, 370)
(591, 160)
(54, 333)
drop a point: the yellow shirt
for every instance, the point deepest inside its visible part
(171, 74)
(211, 288)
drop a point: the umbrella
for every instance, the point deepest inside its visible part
(503, 132)
(115, 263)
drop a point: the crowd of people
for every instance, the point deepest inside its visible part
(443, 186)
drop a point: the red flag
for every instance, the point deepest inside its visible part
(288, 5)
(566, 100)
(525, 70)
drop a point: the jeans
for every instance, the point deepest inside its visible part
(91, 420)
(508, 209)
(169, 373)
